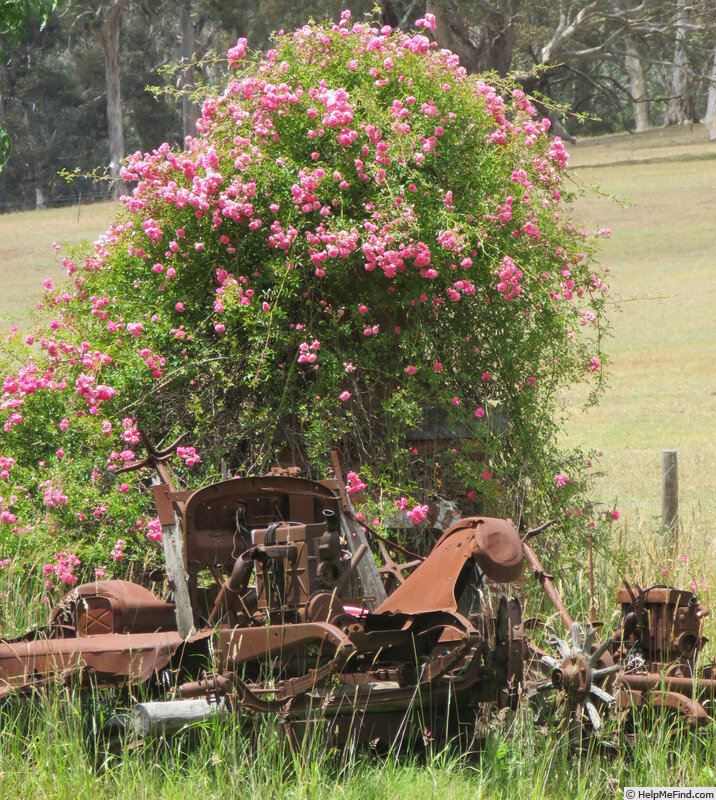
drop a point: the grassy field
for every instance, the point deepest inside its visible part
(51, 758)
(662, 381)
(27, 254)
(54, 757)
(660, 396)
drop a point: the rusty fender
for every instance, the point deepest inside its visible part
(493, 544)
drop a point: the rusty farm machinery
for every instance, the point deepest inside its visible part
(280, 608)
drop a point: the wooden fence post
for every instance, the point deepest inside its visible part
(670, 495)
(172, 544)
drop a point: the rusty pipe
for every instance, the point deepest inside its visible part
(673, 683)
(355, 560)
(234, 584)
(215, 685)
(277, 552)
(545, 580)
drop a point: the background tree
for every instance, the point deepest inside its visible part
(637, 85)
(600, 49)
(618, 62)
(14, 16)
(711, 106)
(680, 107)
(54, 86)
(38, 89)
(103, 21)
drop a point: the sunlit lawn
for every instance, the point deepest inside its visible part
(662, 379)
(27, 254)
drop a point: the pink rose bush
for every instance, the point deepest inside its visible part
(355, 219)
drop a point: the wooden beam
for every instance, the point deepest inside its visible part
(173, 547)
(355, 538)
(670, 495)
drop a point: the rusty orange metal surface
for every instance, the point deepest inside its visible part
(492, 544)
(111, 657)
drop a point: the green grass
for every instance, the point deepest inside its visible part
(49, 749)
(663, 145)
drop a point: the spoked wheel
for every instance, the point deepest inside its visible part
(575, 679)
(392, 571)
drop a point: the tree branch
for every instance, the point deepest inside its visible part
(565, 31)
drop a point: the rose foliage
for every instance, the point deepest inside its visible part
(362, 247)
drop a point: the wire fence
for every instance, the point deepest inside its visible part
(10, 206)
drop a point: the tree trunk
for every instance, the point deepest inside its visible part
(4, 137)
(710, 119)
(111, 32)
(577, 93)
(557, 128)
(387, 14)
(680, 108)
(451, 33)
(483, 45)
(2, 86)
(637, 87)
(188, 44)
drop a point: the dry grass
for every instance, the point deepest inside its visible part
(27, 255)
(674, 143)
(661, 379)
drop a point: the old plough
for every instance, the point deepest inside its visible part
(279, 607)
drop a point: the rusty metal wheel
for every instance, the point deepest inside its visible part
(392, 571)
(577, 676)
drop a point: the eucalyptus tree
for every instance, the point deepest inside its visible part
(14, 16)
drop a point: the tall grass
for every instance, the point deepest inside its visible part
(51, 743)
(49, 748)
(23, 601)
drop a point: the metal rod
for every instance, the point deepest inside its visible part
(547, 585)
(672, 683)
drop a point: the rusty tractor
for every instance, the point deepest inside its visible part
(279, 607)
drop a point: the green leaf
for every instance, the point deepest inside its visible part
(5, 146)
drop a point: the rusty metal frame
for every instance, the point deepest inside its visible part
(299, 646)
